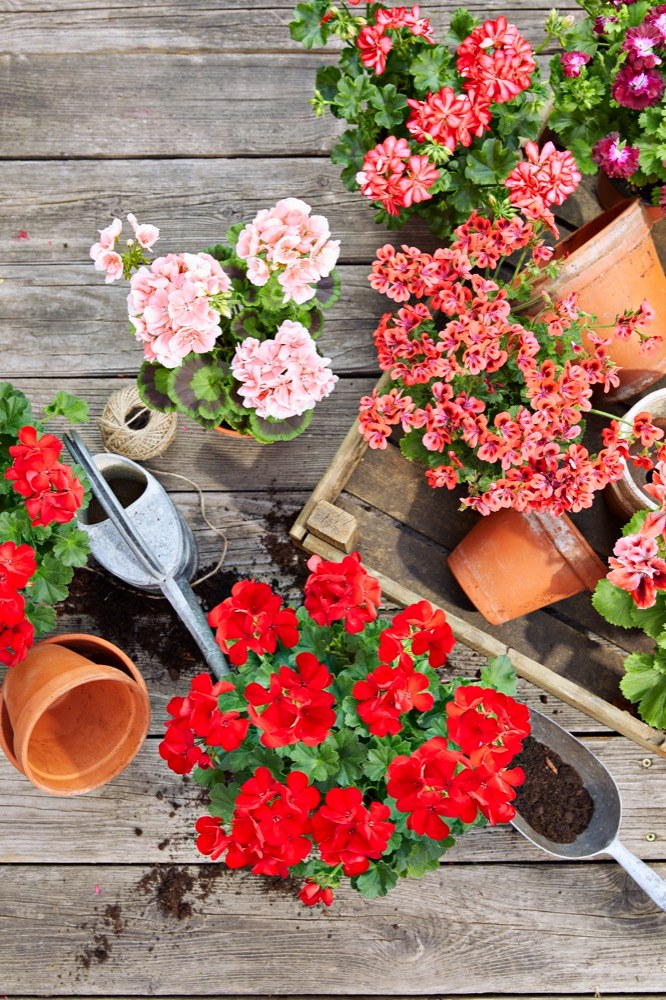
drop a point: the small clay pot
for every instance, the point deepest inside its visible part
(230, 432)
(510, 564)
(611, 194)
(628, 495)
(73, 714)
(612, 264)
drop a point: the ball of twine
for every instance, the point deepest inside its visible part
(132, 429)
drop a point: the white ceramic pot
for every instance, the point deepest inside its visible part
(628, 495)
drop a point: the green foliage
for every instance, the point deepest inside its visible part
(69, 407)
(489, 165)
(498, 673)
(306, 26)
(644, 684)
(379, 879)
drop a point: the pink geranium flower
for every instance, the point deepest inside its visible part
(544, 178)
(146, 235)
(616, 158)
(573, 62)
(637, 568)
(288, 241)
(282, 377)
(637, 88)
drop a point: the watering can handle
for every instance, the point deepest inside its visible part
(642, 874)
(183, 599)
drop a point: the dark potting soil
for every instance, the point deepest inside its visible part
(169, 885)
(553, 798)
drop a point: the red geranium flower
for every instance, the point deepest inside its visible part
(426, 628)
(497, 60)
(487, 725)
(348, 833)
(35, 453)
(312, 893)
(343, 590)
(12, 607)
(179, 750)
(427, 786)
(15, 641)
(17, 564)
(253, 618)
(212, 839)
(389, 692)
(492, 791)
(298, 708)
(271, 825)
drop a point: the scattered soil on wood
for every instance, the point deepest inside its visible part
(151, 631)
(553, 798)
(169, 885)
(291, 562)
(113, 918)
(99, 948)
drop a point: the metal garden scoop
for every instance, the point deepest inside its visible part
(601, 836)
(137, 534)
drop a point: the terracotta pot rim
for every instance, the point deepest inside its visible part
(230, 432)
(580, 556)
(72, 640)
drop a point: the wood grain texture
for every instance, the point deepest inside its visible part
(165, 26)
(148, 814)
(481, 928)
(61, 204)
(85, 322)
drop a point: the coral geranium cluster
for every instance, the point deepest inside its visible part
(39, 498)
(633, 595)
(610, 93)
(488, 395)
(336, 750)
(229, 334)
(433, 128)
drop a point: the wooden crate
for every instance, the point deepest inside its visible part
(379, 503)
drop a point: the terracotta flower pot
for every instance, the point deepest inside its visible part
(610, 195)
(510, 564)
(627, 495)
(229, 432)
(73, 714)
(612, 265)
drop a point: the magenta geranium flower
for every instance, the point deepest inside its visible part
(637, 88)
(600, 24)
(615, 157)
(573, 62)
(641, 43)
(656, 18)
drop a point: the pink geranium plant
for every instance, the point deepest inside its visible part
(490, 385)
(433, 126)
(229, 334)
(633, 595)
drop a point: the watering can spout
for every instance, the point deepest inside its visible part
(137, 534)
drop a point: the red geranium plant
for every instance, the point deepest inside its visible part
(490, 385)
(337, 750)
(39, 542)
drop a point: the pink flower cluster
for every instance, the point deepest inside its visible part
(104, 253)
(170, 306)
(374, 44)
(396, 178)
(544, 178)
(638, 83)
(573, 62)
(616, 158)
(283, 377)
(531, 453)
(637, 564)
(288, 241)
(496, 61)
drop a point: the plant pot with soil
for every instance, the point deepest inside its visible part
(629, 494)
(230, 334)
(510, 563)
(73, 714)
(612, 191)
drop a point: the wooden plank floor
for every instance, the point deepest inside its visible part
(194, 114)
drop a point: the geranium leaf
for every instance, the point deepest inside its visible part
(66, 405)
(319, 763)
(50, 582)
(491, 163)
(498, 673)
(351, 753)
(307, 27)
(431, 70)
(267, 431)
(15, 410)
(614, 604)
(42, 617)
(644, 684)
(152, 385)
(377, 881)
(71, 546)
(353, 92)
(389, 105)
(223, 800)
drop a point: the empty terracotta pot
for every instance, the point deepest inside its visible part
(612, 265)
(610, 195)
(73, 714)
(627, 495)
(510, 564)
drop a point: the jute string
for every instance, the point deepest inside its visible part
(130, 428)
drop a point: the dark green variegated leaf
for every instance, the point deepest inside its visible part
(246, 324)
(152, 385)
(268, 431)
(328, 290)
